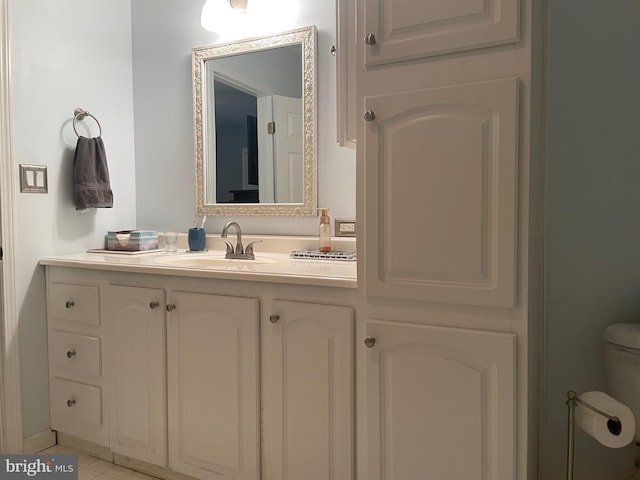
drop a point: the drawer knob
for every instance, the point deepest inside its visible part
(370, 39)
(154, 305)
(70, 304)
(71, 402)
(369, 116)
(171, 307)
(71, 353)
(274, 317)
(369, 342)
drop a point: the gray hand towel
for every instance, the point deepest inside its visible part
(91, 175)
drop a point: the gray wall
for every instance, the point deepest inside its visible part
(593, 200)
(164, 32)
(64, 54)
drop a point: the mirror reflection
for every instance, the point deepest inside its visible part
(255, 125)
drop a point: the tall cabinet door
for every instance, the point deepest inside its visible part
(135, 330)
(440, 403)
(440, 194)
(404, 29)
(212, 352)
(308, 392)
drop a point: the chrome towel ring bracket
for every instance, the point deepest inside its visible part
(81, 114)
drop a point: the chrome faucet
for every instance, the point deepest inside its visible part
(240, 252)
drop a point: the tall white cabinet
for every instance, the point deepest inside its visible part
(444, 98)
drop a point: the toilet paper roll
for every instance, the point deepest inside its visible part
(601, 428)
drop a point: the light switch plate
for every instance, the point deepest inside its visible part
(33, 179)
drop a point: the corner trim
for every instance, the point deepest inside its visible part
(39, 441)
(11, 440)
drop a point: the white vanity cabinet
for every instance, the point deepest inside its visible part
(203, 382)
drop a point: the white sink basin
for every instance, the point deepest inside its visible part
(211, 261)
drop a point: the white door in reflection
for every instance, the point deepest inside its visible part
(288, 149)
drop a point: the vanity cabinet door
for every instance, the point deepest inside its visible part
(213, 367)
(135, 340)
(440, 403)
(308, 392)
(440, 194)
(396, 30)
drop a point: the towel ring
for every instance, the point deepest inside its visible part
(80, 114)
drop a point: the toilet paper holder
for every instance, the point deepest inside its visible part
(613, 424)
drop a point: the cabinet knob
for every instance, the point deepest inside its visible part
(369, 342)
(70, 304)
(71, 353)
(154, 305)
(274, 317)
(71, 402)
(370, 39)
(369, 116)
(171, 307)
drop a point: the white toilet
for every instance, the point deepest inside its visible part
(622, 359)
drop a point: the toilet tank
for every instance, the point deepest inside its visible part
(622, 360)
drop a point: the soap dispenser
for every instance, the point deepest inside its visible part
(325, 230)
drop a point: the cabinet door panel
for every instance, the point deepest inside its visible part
(308, 392)
(213, 386)
(406, 29)
(441, 179)
(136, 372)
(434, 392)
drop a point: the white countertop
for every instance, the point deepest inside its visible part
(280, 268)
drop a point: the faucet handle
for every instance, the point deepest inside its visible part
(249, 249)
(229, 245)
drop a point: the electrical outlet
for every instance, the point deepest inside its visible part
(345, 228)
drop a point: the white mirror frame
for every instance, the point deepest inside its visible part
(307, 38)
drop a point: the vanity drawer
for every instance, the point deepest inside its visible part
(75, 303)
(78, 353)
(76, 400)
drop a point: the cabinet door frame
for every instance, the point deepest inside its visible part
(152, 319)
(494, 282)
(232, 312)
(329, 331)
(489, 358)
(485, 24)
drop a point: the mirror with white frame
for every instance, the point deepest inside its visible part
(255, 125)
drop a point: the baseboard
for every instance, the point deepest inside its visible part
(148, 468)
(38, 442)
(91, 448)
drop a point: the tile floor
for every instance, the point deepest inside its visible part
(94, 468)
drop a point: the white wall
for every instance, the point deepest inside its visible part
(164, 32)
(64, 54)
(593, 198)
